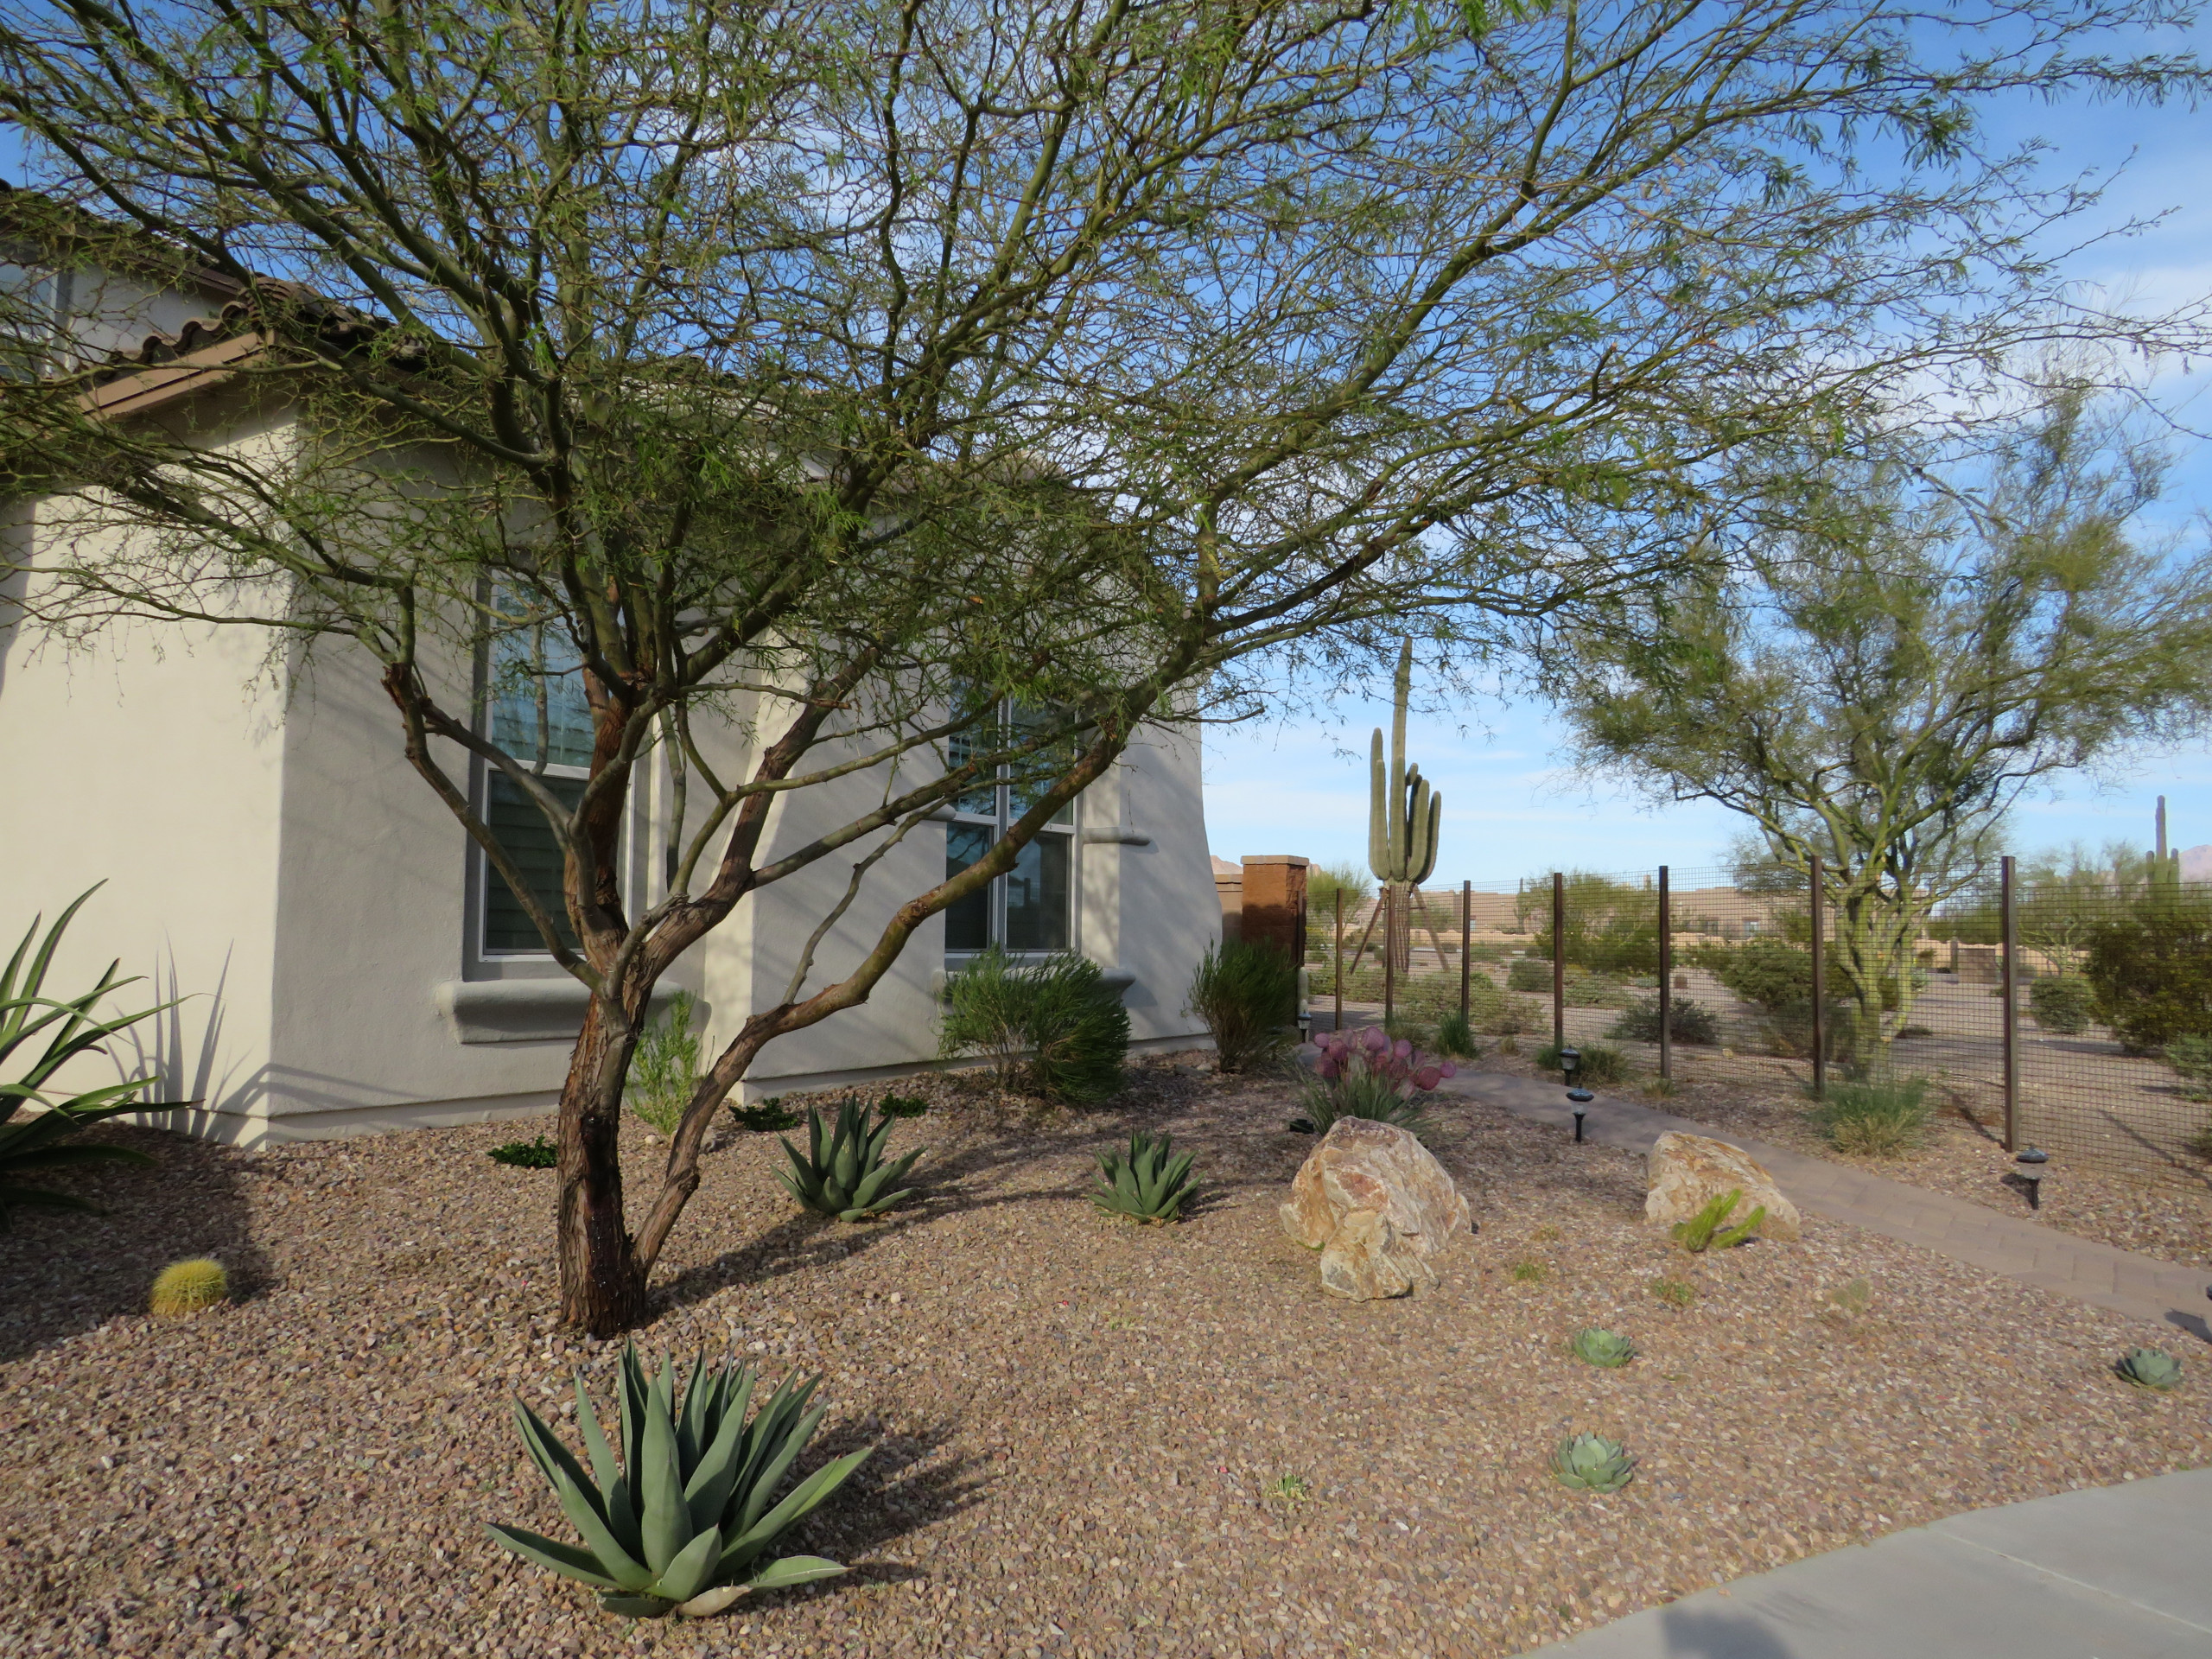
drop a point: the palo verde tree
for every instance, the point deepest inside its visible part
(1908, 648)
(840, 374)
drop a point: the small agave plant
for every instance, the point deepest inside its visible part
(2150, 1368)
(1591, 1463)
(685, 1522)
(843, 1174)
(1148, 1184)
(1606, 1349)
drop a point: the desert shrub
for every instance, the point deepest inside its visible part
(1515, 1016)
(1455, 1037)
(2061, 1003)
(665, 1069)
(1709, 1229)
(540, 1154)
(1881, 1116)
(1601, 1063)
(1431, 997)
(1325, 881)
(2191, 1059)
(2199, 1144)
(1687, 1021)
(1584, 990)
(2151, 971)
(1247, 995)
(766, 1118)
(1773, 974)
(1528, 974)
(1055, 1025)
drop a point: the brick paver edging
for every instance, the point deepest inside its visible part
(2141, 1286)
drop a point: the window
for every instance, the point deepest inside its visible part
(537, 711)
(1030, 908)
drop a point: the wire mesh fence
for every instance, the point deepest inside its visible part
(2067, 1010)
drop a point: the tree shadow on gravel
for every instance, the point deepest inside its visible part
(906, 1485)
(63, 1272)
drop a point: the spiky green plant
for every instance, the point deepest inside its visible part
(1608, 1350)
(1402, 815)
(71, 1030)
(187, 1287)
(1148, 1184)
(1704, 1231)
(843, 1174)
(1591, 1463)
(2150, 1368)
(685, 1521)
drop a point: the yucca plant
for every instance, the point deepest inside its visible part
(843, 1174)
(684, 1523)
(1149, 1184)
(1591, 1463)
(1703, 1232)
(71, 1029)
(2150, 1368)
(1608, 1350)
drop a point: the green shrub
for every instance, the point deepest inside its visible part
(1357, 1092)
(770, 1115)
(690, 1519)
(1247, 995)
(1687, 1021)
(1709, 1229)
(1515, 1016)
(1455, 1038)
(2151, 971)
(540, 1154)
(665, 1069)
(1056, 1024)
(2061, 1003)
(1528, 974)
(2191, 1059)
(1880, 1116)
(1772, 974)
(1602, 1063)
(68, 1028)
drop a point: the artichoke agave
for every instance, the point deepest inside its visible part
(1148, 1184)
(2150, 1368)
(1608, 1349)
(844, 1174)
(684, 1523)
(1591, 1463)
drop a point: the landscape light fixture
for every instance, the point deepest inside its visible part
(1570, 1062)
(2031, 1164)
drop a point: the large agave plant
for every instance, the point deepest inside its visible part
(685, 1522)
(2150, 1368)
(843, 1174)
(1591, 1463)
(1148, 1184)
(1600, 1347)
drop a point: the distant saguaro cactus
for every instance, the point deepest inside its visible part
(1402, 816)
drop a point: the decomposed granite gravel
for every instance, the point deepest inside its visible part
(1093, 1438)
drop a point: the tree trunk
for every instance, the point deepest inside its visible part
(603, 1283)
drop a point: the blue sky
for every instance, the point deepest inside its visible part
(1511, 809)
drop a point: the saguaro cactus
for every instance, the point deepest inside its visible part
(1404, 819)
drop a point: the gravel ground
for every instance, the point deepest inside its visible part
(2171, 1219)
(1083, 1425)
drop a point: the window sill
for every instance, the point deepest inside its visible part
(521, 1010)
(1115, 836)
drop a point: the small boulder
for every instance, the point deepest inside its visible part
(1377, 1205)
(1684, 1173)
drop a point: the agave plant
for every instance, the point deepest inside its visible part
(71, 1029)
(1607, 1348)
(1591, 1463)
(1703, 1232)
(2150, 1368)
(685, 1522)
(1149, 1183)
(844, 1174)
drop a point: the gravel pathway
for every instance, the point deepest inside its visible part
(1085, 1427)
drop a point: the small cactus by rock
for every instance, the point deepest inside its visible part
(186, 1287)
(2150, 1368)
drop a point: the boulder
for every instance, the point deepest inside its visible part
(1378, 1207)
(1684, 1173)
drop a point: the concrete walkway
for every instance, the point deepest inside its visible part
(2141, 1286)
(2117, 1573)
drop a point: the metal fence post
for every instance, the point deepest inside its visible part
(1820, 992)
(1559, 959)
(1466, 941)
(1337, 939)
(2010, 947)
(1666, 980)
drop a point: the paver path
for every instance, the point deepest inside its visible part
(2139, 1286)
(2114, 1572)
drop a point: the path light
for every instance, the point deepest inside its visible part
(1570, 1062)
(2031, 1164)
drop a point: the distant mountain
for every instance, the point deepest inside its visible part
(2196, 864)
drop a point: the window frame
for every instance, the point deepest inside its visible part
(1062, 827)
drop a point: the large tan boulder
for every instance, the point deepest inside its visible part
(1378, 1207)
(1684, 1173)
